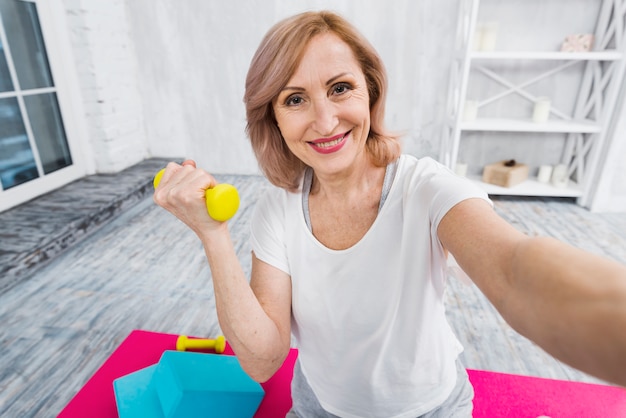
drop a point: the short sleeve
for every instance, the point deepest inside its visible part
(267, 235)
(446, 190)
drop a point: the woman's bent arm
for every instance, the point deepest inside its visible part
(257, 326)
(255, 317)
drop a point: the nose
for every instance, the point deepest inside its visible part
(325, 118)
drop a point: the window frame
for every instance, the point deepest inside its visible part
(55, 32)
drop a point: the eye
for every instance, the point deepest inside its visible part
(293, 100)
(341, 88)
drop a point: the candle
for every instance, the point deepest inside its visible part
(470, 110)
(477, 38)
(541, 111)
(488, 36)
(545, 173)
(559, 176)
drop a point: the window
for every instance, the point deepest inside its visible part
(33, 140)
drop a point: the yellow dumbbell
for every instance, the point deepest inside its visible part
(183, 343)
(222, 200)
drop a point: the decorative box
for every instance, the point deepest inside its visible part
(578, 43)
(505, 173)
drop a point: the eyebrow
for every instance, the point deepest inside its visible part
(328, 83)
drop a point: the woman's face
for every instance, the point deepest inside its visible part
(323, 111)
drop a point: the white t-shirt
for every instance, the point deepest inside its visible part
(369, 321)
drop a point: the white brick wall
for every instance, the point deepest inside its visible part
(107, 70)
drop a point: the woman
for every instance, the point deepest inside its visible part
(349, 251)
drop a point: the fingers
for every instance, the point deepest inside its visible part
(182, 192)
(166, 174)
(182, 184)
(184, 173)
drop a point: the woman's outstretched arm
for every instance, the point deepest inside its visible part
(570, 302)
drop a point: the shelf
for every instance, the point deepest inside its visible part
(608, 55)
(587, 88)
(530, 187)
(520, 125)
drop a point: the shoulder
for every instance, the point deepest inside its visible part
(433, 186)
(268, 227)
(429, 175)
(422, 169)
(275, 209)
(271, 202)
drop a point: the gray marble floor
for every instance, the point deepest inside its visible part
(144, 270)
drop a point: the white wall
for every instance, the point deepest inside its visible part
(166, 78)
(193, 62)
(106, 65)
(161, 79)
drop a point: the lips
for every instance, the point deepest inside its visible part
(329, 145)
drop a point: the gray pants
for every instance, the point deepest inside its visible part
(458, 404)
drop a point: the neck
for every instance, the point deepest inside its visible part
(361, 177)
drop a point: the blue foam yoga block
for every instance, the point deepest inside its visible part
(135, 396)
(200, 384)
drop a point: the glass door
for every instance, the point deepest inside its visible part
(33, 141)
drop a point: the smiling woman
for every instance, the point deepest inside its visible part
(350, 251)
(328, 110)
(270, 83)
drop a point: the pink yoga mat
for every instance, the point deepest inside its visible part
(141, 349)
(508, 395)
(498, 395)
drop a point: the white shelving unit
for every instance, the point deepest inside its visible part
(584, 128)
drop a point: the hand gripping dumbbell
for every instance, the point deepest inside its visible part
(222, 200)
(183, 343)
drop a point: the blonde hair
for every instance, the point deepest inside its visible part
(273, 64)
